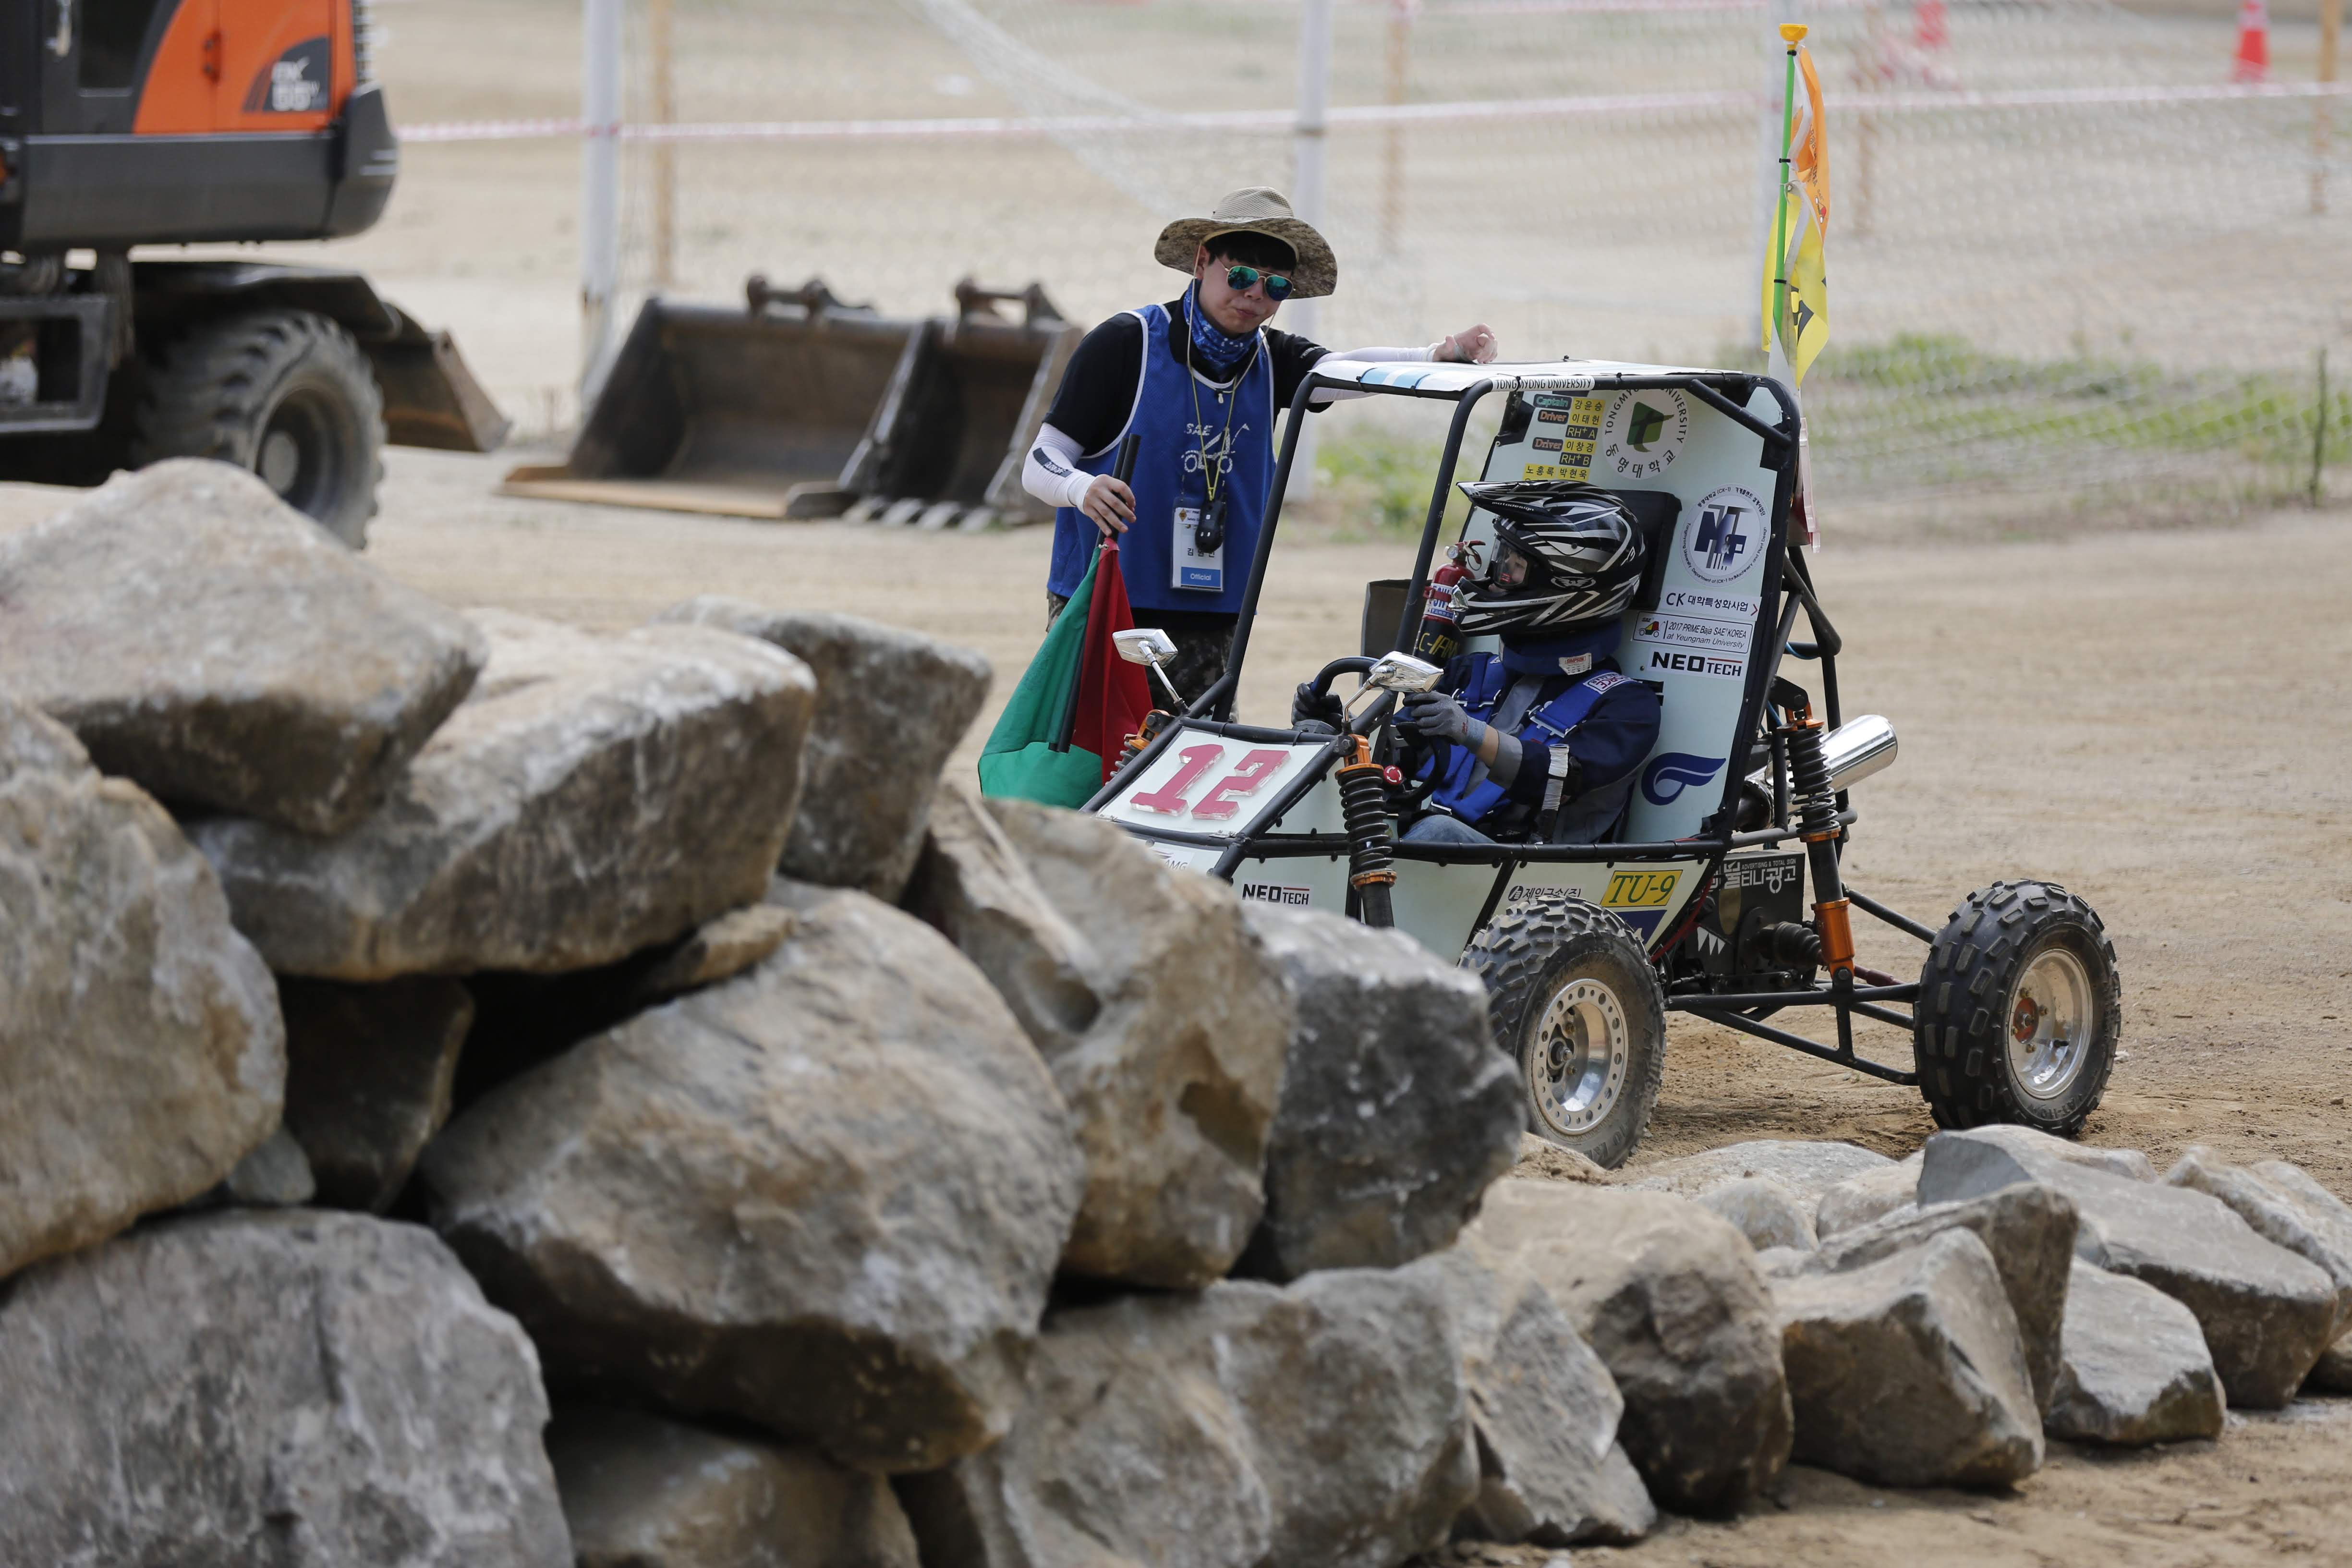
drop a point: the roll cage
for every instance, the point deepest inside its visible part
(1787, 587)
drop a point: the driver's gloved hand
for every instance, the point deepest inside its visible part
(1433, 716)
(1306, 707)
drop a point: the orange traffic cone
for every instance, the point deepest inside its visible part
(2253, 62)
(1930, 28)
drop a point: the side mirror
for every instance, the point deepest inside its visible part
(1145, 644)
(1150, 646)
(1402, 672)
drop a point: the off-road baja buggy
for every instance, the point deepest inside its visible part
(1697, 903)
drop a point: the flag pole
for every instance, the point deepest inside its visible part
(1793, 32)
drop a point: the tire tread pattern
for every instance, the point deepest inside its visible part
(1513, 955)
(208, 393)
(1971, 968)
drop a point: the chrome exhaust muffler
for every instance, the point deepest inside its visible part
(1855, 749)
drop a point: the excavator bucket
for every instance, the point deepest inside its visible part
(751, 413)
(946, 445)
(799, 407)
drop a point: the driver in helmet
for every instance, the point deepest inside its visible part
(1541, 741)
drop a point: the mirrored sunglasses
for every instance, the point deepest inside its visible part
(1239, 279)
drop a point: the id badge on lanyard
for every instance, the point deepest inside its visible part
(1202, 571)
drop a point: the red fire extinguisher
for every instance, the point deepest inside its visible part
(1437, 640)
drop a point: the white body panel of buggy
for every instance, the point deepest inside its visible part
(1689, 637)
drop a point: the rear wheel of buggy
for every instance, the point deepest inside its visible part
(2019, 1011)
(1577, 1006)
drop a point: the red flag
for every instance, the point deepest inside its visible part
(1113, 695)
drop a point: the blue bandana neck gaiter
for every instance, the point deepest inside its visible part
(1575, 654)
(1213, 351)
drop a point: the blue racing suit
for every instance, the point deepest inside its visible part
(1564, 694)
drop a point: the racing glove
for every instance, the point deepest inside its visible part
(1432, 716)
(1306, 707)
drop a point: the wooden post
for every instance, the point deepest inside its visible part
(2323, 115)
(1392, 160)
(665, 107)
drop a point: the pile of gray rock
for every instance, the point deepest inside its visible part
(478, 1092)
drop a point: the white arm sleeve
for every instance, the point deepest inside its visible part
(1051, 473)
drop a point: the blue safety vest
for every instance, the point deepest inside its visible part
(1547, 724)
(1168, 474)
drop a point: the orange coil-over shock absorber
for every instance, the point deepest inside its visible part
(1364, 806)
(1817, 824)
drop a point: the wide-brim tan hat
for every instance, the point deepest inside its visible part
(1256, 210)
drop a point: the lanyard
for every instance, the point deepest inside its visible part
(1209, 472)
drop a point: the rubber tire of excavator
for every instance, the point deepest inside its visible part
(1965, 996)
(1537, 945)
(215, 391)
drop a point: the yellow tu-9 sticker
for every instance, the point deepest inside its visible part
(1640, 890)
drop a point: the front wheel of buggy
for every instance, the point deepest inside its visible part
(2019, 1011)
(1577, 1006)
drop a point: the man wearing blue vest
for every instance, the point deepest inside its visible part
(1201, 380)
(1539, 742)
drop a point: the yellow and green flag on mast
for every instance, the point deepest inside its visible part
(1796, 276)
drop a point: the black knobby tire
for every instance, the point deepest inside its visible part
(1589, 1067)
(287, 395)
(2020, 1008)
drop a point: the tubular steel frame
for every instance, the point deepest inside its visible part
(1788, 587)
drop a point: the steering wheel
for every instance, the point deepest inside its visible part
(1408, 796)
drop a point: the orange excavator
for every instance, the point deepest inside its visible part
(131, 124)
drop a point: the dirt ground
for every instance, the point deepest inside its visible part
(2155, 718)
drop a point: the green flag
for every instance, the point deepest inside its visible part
(1021, 760)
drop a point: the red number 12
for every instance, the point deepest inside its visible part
(1169, 798)
(1225, 799)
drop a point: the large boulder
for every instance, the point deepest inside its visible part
(891, 706)
(1397, 1111)
(368, 1077)
(594, 796)
(1318, 1425)
(1159, 1010)
(2029, 1228)
(1872, 1195)
(1672, 1299)
(1909, 1372)
(827, 1196)
(2266, 1314)
(1543, 1408)
(2136, 1370)
(2283, 1206)
(141, 1051)
(2331, 1373)
(250, 1387)
(214, 645)
(640, 1492)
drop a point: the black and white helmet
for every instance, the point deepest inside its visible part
(1584, 554)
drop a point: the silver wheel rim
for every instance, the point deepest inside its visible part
(1576, 1063)
(2049, 1022)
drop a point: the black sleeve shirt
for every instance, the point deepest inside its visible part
(1099, 385)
